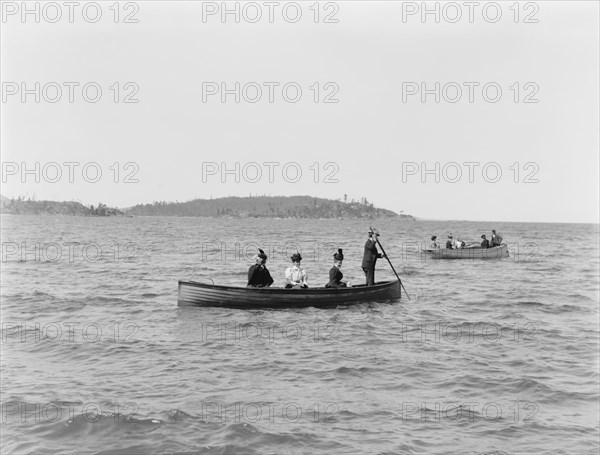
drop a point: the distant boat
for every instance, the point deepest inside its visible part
(212, 295)
(496, 252)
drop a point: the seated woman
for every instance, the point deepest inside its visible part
(496, 239)
(335, 274)
(449, 242)
(258, 274)
(295, 275)
(433, 245)
(485, 243)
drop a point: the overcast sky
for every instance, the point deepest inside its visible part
(531, 150)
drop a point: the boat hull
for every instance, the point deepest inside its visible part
(496, 252)
(210, 295)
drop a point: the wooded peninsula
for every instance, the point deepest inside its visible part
(229, 207)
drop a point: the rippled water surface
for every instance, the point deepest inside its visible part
(486, 357)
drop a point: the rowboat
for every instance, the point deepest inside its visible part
(496, 252)
(212, 295)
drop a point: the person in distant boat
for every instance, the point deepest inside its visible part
(370, 257)
(485, 243)
(335, 274)
(258, 274)
(459, 243)
(496, 239)
(449, 242)
(433, 245)
(295, 275)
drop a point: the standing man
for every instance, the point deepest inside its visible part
(370, 258)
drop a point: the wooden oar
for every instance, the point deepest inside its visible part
(388, 259)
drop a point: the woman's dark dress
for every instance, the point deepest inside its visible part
(259, 277)
(335, 276)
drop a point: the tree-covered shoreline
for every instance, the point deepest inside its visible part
(22, 206)
(227, 207)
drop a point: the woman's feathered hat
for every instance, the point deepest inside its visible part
(338, 256)
(261, 256)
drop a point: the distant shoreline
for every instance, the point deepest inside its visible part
(271, 207)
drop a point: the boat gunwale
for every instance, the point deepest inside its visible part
(502, 246)
(306, 291)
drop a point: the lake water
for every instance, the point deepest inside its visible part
(487, 357)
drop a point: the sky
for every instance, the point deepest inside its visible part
(484, 114)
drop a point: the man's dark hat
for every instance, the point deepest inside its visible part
(338, 256)
(296, 257)
(433, 237)
(261, 254)
(483, 236)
